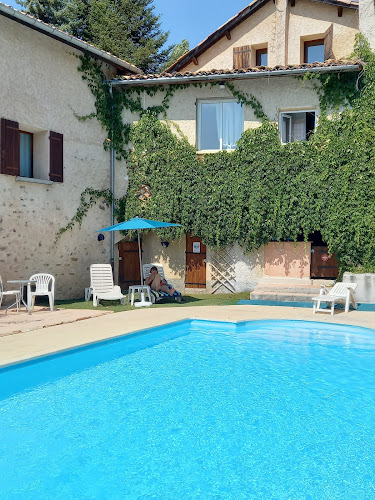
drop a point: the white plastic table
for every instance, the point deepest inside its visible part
(142, 290)
(22, 284)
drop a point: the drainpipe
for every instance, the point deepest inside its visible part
(112, 162)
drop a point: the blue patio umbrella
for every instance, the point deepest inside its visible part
(137, 223)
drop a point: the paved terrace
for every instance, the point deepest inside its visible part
(23, 342)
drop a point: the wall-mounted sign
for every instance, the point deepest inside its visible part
(196, 247)
(325, 257)
(100, 237)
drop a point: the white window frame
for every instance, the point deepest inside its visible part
(288, 114)
(199, 114)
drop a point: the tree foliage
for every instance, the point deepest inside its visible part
(177, 51)
(129, 29)
(48, 11)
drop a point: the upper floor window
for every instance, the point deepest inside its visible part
(220, 124)
(317, 48)
(314, 51)
(31, 153)
(261, 57)
(296, 125)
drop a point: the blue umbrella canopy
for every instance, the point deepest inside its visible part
(138, 224)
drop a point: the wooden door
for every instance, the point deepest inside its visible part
(128, 271)
(322, 264)
(195, 274)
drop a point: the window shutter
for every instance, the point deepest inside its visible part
(328, 39)
(241, 57)
(55, 157)
(10, 147)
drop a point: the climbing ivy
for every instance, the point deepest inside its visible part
(263, 191)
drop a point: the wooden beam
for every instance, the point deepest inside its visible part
(339, 11)
(195, 61)
(228, 35)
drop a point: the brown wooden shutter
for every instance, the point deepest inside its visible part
(56, 157)
(241, 57)
(328, 39)
(10, 147)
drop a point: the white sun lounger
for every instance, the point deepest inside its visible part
(101, 286)
(340, 292)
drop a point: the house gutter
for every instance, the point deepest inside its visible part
(232, 76)
(63, 37)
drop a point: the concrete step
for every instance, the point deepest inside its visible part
(291, 290)
(265, 280)
(282, 296)
(287, 288)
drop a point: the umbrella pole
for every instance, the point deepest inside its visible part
(140, 256)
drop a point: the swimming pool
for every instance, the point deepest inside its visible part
(198, 409)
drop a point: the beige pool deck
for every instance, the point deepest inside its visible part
(30, 337)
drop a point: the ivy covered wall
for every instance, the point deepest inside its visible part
(264, 190)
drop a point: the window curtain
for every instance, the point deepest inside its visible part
(298, 127)
(232, 124)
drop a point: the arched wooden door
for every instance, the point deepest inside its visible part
(128, 270)
(195, 274)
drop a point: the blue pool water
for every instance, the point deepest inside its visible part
(196, 410)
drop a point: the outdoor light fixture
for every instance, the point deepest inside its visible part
(221, 85)
(164, 244)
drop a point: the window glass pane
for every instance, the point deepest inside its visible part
(285, 128)
(314, 53)
(232, 124)
(210, 126)
(25, 154)
(262, 58)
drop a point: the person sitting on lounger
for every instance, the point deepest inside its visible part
(155, 282)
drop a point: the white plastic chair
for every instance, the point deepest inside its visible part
(44, 285)
(16, 293)
(101, 286)
(340, 292)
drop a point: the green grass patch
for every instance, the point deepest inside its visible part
(189, 301)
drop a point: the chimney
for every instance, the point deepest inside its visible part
(367, 20)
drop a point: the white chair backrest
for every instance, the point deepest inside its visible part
(342, 288)
(43, 282)
(101, 277)
(1, 286)
(147, 267)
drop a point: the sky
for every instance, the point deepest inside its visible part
(190, 19)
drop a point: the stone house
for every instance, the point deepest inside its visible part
(49, 156)
(259, 51)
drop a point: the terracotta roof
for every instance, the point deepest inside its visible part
(49, 30)
(228, 74)
(234, 21)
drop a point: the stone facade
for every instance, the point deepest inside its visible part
(42, 90)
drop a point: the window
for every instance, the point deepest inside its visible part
(30, 152)
(296, 125)
(314, 51)
(261, 57)
(220, 125)
(317, 48)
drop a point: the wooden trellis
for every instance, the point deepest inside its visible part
(223, 270)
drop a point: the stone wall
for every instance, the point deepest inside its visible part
(42, 90)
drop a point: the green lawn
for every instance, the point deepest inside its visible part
(189, 300)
